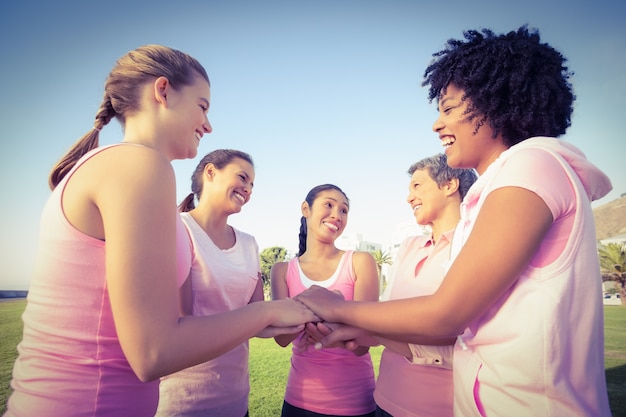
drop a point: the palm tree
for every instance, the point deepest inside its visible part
(613, 265)
(382, 258)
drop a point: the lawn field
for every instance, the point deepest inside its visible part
(269, 363)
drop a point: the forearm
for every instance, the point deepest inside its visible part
(194, 340)
(284, 339)
(361, 350)
(401, 348)
(401, 345)
(414, 339)
(399, 320)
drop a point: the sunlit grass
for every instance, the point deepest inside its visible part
(615, 357)
(11, 334)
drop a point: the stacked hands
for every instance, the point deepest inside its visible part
(327, 333)
(319, 329)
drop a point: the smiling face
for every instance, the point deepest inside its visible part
(327, 217)
(231, 186)
(465, 145)
(189, 118)
(426, 198)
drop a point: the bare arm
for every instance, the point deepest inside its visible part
(363, 339)
(366, 286)
(489, 263)
(353, 337)
(136, 201)
(278, 278)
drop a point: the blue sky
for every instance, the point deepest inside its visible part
(324, 91)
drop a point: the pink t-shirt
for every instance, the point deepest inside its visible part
(422, 386)
(70, 360)
(539, 349)
(329, 381)
(222, 280)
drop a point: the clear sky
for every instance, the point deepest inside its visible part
(316, 91)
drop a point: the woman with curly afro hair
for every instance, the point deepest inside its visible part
(523, 289)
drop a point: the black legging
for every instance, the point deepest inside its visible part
(382, 413)
(291, 411)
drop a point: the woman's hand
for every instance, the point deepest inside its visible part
(321, 301)
(326, 335)
(288, 318)
(289, 312)
(273, 331)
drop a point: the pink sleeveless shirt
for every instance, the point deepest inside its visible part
(70, 360)
(329, 381)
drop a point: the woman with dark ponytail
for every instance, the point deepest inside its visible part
(334, 382)
(102, 324)
(225, 275)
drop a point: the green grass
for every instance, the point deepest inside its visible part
(615, 357)
(269, 363)
(10, 335)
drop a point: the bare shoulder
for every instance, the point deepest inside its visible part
(134, 158)
(362, 257)
(365, 276)
(278, 281)
(279, 270)
(363, 262)
(132, 169)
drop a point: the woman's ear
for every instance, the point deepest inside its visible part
(452, 186)
(161, 89)
(305, 209)
(209, 171)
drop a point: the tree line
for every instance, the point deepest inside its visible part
(612, 264)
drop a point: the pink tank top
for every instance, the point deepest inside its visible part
(330, 381)
(70, 360)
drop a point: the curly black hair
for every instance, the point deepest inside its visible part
(514, 82)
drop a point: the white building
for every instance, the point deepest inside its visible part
(621, 239)
(356, 242)
(403, 230)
